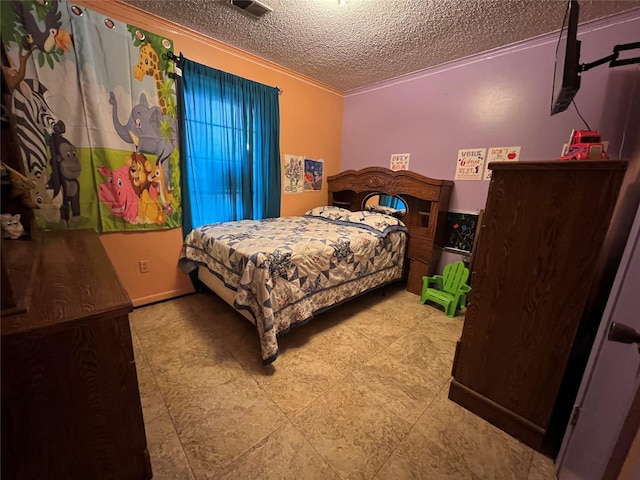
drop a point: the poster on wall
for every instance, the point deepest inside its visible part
(500, 154)
(293, 173)
(470, 163)
(96, 127)
(460, 231)
(399, 161)
(313, 174)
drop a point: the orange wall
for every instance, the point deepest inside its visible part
(310, 125)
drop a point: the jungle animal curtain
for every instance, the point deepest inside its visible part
(95, 114)
(231, 143)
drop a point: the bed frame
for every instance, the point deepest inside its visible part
(427, 200)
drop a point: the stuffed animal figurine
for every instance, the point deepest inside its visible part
(11, 226)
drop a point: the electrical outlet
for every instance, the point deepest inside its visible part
(144, 266)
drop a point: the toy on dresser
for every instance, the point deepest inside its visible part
(11, 226)
(19, 197)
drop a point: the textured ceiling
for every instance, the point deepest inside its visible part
(363, 42)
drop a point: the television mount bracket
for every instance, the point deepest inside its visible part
(613, 58)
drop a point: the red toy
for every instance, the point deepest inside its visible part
(585, 145)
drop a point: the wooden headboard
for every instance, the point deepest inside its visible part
(427, 202)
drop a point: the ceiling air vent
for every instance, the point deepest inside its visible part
(252, 7)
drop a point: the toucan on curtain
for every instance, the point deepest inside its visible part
(230, 132)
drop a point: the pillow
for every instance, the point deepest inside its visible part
(329, 211)
(376, 222)
(394, 212)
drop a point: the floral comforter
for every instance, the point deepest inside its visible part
(285, 269)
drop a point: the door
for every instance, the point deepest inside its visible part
(611, 379)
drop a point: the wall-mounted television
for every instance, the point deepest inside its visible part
(566, 76)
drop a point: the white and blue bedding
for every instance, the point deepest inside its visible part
(283, 270)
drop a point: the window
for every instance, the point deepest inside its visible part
(231, 151)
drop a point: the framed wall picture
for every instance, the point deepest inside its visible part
(313, 174)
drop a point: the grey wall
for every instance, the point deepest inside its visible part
(497, 99)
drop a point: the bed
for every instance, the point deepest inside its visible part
(280, 272)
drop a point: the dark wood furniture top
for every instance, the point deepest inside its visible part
(74, 274)
(427, 200)
(70, 400)
(542, 231)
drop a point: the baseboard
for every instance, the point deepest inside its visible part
(506, 420)
(158, 297)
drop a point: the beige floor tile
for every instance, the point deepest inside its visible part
(343, 348)
(138, 351)
(351, 429)
(542, 468)
(426, 343)
(241, 340)
(441, 327)
(151, 398)
(185, 361)
(158, 315)
(218, 425)
(405, 387)
(284, 454)
(168, 460)
(295, 379)
(484, 449)
(383, 325)
(205, 301)
(411, 309)
(417, 457)
(236, 334)
(428, 351)
(210, 311)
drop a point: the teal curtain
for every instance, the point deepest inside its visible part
(230, 146)
(391, 201)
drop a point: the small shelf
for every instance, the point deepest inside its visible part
(338, 202)
(424, 218)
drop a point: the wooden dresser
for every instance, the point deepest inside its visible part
(70, 400)
(427, 201)
(542, 231)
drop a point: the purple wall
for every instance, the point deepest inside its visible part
(497, 99)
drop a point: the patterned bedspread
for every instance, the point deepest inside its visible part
(285, 269)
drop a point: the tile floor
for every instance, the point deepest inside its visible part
(359, 392)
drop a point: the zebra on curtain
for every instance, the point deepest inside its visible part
(34, 118)
(34, 121)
